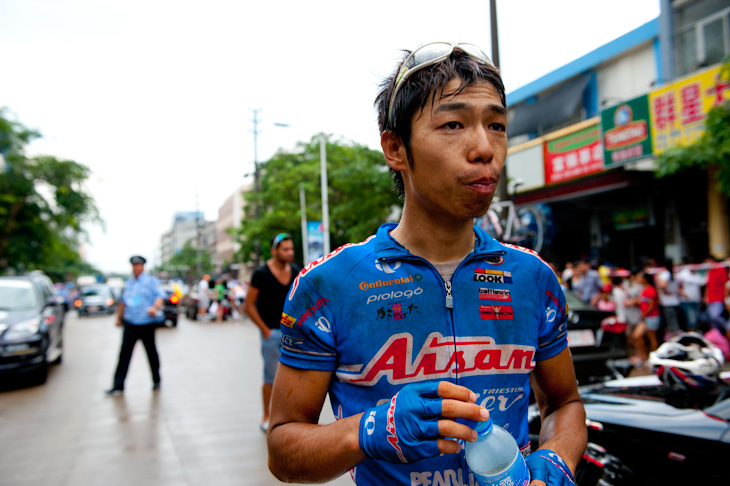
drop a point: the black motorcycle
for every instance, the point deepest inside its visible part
(642, 432)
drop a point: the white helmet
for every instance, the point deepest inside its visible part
(688, 360)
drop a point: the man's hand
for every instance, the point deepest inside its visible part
(118, 323)
(546, 467)
(413, 424)
(151, 311)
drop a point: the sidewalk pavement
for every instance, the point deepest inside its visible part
(200, 429)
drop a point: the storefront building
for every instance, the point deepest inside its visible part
(584, 138)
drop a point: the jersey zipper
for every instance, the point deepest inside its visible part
(449, 297)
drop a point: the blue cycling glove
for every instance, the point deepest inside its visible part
(545, 465)
(405, 429)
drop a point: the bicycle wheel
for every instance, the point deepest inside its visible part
(491, 224)
(531, 233)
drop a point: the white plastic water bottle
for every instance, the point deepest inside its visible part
(495, 458)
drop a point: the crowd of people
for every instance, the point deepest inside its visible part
(211, 295)
(657, 301)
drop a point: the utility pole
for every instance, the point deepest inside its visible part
(256, 179)
(325, 195)
(502, 185)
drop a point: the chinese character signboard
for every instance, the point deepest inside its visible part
(678, 110)
(626, 133)
(574, 155)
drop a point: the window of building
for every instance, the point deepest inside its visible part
(703, 41)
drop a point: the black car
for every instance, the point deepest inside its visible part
(597, 344)
(95, 299)
(31, 326)
(171, 308)
(641, 431)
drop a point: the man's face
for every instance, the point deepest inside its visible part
(137, 269)
(284, 252)
(459, 146)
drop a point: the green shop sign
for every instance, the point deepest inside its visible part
(626, 132)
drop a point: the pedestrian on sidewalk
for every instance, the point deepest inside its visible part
(650, 317)
(690, 293)
(204, 297)
(139, 313)
(667, 286)
(714, 297)
(220, 294)
(264, 305)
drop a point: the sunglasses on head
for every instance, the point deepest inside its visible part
(428, 55)
(279, 238)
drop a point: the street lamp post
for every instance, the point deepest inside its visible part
(325, 196)
(256, 180)
(502, 192)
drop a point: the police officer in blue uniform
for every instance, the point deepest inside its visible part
(138, 310)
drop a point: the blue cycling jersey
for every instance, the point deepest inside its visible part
(380, 317)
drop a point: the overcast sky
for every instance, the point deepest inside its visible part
(156, 97)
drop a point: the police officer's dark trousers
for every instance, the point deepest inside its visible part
(132, 333)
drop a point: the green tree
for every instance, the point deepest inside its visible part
(43, 204)
(359, 192)
(183, 264)
(710, 152)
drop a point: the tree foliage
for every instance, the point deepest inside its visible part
(183, 264)
(710, 151)
(359, 194)
(43, 205)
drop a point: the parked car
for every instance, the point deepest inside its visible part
(31, 326)
(641, 431)
(95, 299)
(116, 284)
(598, 346)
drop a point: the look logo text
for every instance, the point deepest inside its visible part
(492, 276)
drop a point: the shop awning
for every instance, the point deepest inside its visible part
(549, 110)
(606, 181)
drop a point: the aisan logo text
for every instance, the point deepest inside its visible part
(439, 357)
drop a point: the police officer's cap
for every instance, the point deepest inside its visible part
(137, 259)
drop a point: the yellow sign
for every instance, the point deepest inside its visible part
(678, 111)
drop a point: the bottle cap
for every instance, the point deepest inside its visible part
(484, 428)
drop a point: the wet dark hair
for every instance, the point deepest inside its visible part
(424, 87)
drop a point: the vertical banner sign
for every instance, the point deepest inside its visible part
(315, 242)
(678, 110)
(626, 133)
(574, 155)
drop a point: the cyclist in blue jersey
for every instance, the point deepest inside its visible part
(431, 325)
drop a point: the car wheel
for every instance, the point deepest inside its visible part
(59, 358)
(39, 376)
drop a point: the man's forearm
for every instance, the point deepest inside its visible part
(564, 432)
(255, 317)
(314, 453)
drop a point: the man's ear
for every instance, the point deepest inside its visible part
(394, 151)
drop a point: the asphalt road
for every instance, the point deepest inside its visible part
(201, 428)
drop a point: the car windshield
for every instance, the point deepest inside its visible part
(17, 295)
(100, 291)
